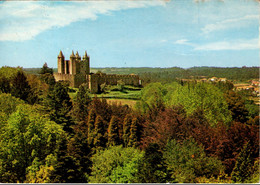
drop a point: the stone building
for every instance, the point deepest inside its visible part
(77, 72)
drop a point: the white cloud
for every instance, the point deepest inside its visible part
(234, 45)
(24, 20)
(181, 41)
(230, 23)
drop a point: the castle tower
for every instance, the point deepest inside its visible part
(86, 62)
(78, 63)
(61, 66)
(72, 64)
(77, 56)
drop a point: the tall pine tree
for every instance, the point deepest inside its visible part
(126, 129)
(243, 166)
(133, 141)
(99, 139)
(81, 104)
(113, 138)
(21, 88)
(59, 105)
(91, 127)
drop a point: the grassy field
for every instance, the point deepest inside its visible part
(127, 96)
(130, 103)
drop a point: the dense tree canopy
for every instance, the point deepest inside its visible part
(29, 137)
(116, 165)
(179, 131)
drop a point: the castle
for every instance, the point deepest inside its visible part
(77, 72)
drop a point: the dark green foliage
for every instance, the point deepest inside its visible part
(99, 138)
(21, 88)
(79, 149)
(133, 140)
(186, 161)
(102, 108)
(5, 85)
(59, 105)
(80, 152)
(252, 108)
(237, 106)
(243, 167)
(116, 165)
(152, 168)
(81, 104)
(48, 79)
(126, 129)
(66, 170)
(113, 135)
(224, 86)
(91, 127)
(45, 69)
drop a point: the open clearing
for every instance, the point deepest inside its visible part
(130, 103)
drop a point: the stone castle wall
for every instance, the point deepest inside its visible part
(95, 80)
(74, 80)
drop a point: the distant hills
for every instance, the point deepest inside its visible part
(170, 74)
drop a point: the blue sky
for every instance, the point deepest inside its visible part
(182, 33)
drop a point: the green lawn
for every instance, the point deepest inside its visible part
(129, 92)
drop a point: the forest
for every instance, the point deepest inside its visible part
(177, 132)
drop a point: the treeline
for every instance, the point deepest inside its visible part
(178, 132)
(149, 75)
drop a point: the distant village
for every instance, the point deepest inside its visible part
(253, 86)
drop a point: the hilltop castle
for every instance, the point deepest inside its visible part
(77, 72)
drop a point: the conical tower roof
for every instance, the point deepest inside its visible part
(85, 55)
(72, 54)
(77, 54)
(61, 54)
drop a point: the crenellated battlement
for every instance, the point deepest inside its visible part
(77, 72)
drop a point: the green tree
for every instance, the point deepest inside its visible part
(187, 161)
(113, 138)
(126, 129)
(152, 95)
(5, 85)
(237, 106)
(9, 72)
(116, 165)
(45, 69)
(205, 97)
(243, 166)
(66, 169)
(133, 140)
(21, 88)
(152, 168)
(8, 105)
(29, 138)
(81, 104)
(48, 79)
(91, 127)
(58, 104)
(99, 132)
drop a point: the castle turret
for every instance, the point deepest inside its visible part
(72, 65)
(77, 56)
(61, 67)
(85, 56)
(72, 54)
(86, 63)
